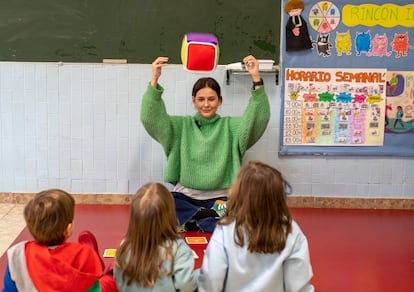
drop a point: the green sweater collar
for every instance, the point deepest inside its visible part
(203, 121)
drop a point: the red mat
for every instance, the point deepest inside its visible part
(351, 250)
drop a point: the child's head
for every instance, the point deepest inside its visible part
(152, 213)
(257, 202)
(49, 216)
(152, 225)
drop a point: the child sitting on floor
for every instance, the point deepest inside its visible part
(257, 246)
(153, 257)
(50, 263)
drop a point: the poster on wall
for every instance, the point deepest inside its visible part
(320, 117)
(341, 107)
(399, 109)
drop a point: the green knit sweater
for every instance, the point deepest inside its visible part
(204, 154)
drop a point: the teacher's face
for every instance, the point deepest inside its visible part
(207, 102)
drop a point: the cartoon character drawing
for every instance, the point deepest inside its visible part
(323, 45)
(379, 46)
(363, 90)
(362, 42)
(400, 44)
(293, 95)
(297, 34)
(341, 140)
(343, 43)
(395, 85)
(398, 119)
(388, 107)
(309, 129)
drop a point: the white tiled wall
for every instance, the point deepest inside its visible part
(77, 127)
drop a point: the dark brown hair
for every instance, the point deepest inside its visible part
(207, 82)
(257, 204)
(294, 4)
(48, 215)
(151, 232)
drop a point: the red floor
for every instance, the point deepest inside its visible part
(351, 250)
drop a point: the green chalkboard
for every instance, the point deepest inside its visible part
(136, 30)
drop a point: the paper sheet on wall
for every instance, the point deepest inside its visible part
(334, 107)
(399, 109)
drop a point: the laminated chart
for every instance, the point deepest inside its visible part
(334, 107)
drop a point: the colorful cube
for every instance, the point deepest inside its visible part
(199, 52)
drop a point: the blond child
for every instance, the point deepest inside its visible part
(153, 257)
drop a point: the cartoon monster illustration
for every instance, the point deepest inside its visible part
(310, 97)
(379, 46)
(326, 96)
(293, 95)
(374, 98)
(362, 42)
(359, 98)
(400, 44)
(323, 45)
(344, 97)
(343, 43)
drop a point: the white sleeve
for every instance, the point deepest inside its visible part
(213, 272)
(297, 268)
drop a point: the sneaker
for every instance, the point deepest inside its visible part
(87, 238)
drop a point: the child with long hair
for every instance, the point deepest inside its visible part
(153, 257)
(257, 246)
(204, 151)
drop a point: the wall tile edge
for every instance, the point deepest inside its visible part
(293, 201)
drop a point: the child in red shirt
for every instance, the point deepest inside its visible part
(49, 263)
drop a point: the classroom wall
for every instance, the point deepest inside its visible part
(77, 127)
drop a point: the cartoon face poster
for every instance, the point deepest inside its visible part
(334, 107)
(399, 110)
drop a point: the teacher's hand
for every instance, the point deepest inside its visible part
(252, 66)
(156, 69)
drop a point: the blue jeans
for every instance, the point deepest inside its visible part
(187, 207)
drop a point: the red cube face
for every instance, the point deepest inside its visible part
(199, 52)
(201, 57)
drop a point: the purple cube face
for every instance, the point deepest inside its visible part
(201, 37)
